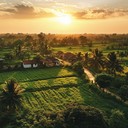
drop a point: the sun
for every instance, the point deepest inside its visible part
(64, 19)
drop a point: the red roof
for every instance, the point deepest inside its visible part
(29, 62)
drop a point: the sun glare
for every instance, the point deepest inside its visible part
(64, 19)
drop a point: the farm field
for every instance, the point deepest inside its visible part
(52, 94)
(51, 83)
(54, 100)
(48, 92)
(36, 74)
(77, 49)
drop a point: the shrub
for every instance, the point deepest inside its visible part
(117, 119)
(77, 67)
(118, 82)
(83, 117)
(123, 92)
(104, 80)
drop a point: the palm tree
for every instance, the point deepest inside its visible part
(11, 96)
(18, 47)
(29, 42)
(97, 61)
(113, 65)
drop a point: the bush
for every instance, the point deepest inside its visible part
(118, 82)
(117, 119)
(123, 92)
(104, 80)
(77, 67)
(83, 117)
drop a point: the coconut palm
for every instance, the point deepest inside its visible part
(113, 65)
(97, 61)
(11, 96)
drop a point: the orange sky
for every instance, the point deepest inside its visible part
(35, 16)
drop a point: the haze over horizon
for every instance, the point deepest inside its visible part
(64, 16)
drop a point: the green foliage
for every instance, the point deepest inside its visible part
(117, 119)
(104, 80)
(7, 119)
(83, 117)
(10, 97)
(113, 64)
(118, 82)
(123, 92)
(77, 67)
(97, 61)
(36, 74)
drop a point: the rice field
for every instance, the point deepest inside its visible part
(36, 74)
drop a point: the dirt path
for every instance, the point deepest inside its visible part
(89, 74)
(92, 79)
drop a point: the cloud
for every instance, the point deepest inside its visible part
(25, 12)
(100, 13)
(28, 11)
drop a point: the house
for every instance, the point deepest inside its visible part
(30, 64)
(50, 62)
(47, 63)
(54, 60)
(69, 56)
(60, 54)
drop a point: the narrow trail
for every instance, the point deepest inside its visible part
(89, 74)
(92, 79)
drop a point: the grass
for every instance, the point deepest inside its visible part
(51, 83)
(36, 74)
(51, 99)
(54, 100)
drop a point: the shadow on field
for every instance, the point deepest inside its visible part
(94, 97)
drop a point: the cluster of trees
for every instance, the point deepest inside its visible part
(31, 40)
(97, 61)
(110, 63)
(104, 81)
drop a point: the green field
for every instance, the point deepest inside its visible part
(52, 89)
(35, 74)
(54, 100)
(51, 83)
(78, 48)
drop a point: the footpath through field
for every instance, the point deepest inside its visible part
(92, 79)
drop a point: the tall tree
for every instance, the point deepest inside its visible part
(29, 41)
(18, 45)
(10, 98)
(43, 45)
(113, 65)
(83, 40)
(97, 60)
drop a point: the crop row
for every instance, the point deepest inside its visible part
(51, 83)
(35, 74)
(52, 99)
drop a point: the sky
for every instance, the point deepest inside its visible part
(64, 16)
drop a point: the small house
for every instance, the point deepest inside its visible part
(50, 62)
(30, 64)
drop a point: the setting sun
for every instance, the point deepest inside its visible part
(64, 19)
